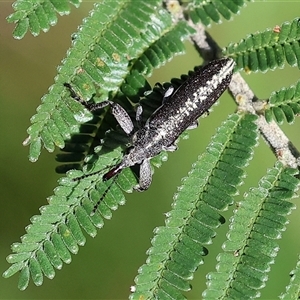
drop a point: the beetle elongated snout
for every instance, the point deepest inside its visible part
(113, 172)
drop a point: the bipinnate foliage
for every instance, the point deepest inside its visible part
(284, 104)
(292, 290)
(113, 56)
(257, 222)
(38, 15)
(117, 46)
(268, 49)
(195, 216)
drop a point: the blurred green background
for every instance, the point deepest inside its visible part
(106, 266)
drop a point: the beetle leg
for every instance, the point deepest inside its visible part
(117, 110)
(138, 116)
(170, 148)
(145, 176)
(122, 117)
(193, 125)
(168, 93)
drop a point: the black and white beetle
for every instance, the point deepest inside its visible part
(180, 110)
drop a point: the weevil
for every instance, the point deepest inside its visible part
(179, 111)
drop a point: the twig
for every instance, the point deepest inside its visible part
(248, 102)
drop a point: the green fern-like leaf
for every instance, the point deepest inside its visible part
(284, 103)
(268, 49)
(293, 289)
(211, 11)
(58, 231)
(251, 248)
(37, 15)
(95, 60)
(178, 248)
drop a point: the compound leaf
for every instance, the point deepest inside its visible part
(103, 60)
(37, 15)
(269, 49)
(293, 288)
(284, 103)
(58, 231)
(212, 11)
(178, 248)
(251, 248)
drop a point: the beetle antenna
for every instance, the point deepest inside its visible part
(103, 195)
(88, 175)
(105, 177)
